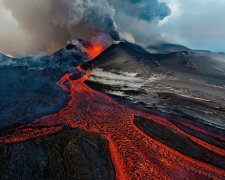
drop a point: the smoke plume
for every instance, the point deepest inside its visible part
(47, 25)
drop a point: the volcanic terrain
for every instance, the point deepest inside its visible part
(126, 113)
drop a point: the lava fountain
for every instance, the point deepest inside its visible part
(135, 155)
(94, 50)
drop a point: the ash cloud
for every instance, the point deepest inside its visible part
(47, 25)
(137, 20)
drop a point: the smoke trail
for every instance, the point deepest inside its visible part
(47, 25)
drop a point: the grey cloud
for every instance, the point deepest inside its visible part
(146, 10)
(139, 18)
(47, 25)
(196, 24)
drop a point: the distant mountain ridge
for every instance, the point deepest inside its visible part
(166, 48)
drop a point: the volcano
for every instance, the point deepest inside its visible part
(119, 113)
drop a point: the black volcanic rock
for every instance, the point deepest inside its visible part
(179, 142)
(130, 57)
(206, 65)
(70, 55)
(125, 57)
(185, 84)
(127, 67)
(77, 76)
(71, 154)
(4, 58)
(28, 87)
(64, 60)
(28, 94)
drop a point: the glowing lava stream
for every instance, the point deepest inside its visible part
(134, 154)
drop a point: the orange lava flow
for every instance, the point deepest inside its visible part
(94, 50)
(135, 155)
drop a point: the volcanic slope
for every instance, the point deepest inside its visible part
(185, 83)
(70, 154)
(136, 149)
(135, 153)
(28, 88)
(163, 47)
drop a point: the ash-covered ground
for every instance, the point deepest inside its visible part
(184, 86)
(181, 82)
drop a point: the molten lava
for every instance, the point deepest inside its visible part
(94, 50)
(135, 155)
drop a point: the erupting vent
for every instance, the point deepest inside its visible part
(94, 50)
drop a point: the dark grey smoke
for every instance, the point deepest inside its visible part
(147, 10)
(48, 25)
(137, 20)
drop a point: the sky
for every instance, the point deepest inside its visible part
(198, 24)
(32, 27)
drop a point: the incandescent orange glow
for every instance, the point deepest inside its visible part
(135, 155)
(94, 50)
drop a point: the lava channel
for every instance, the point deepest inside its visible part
(135, 155)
